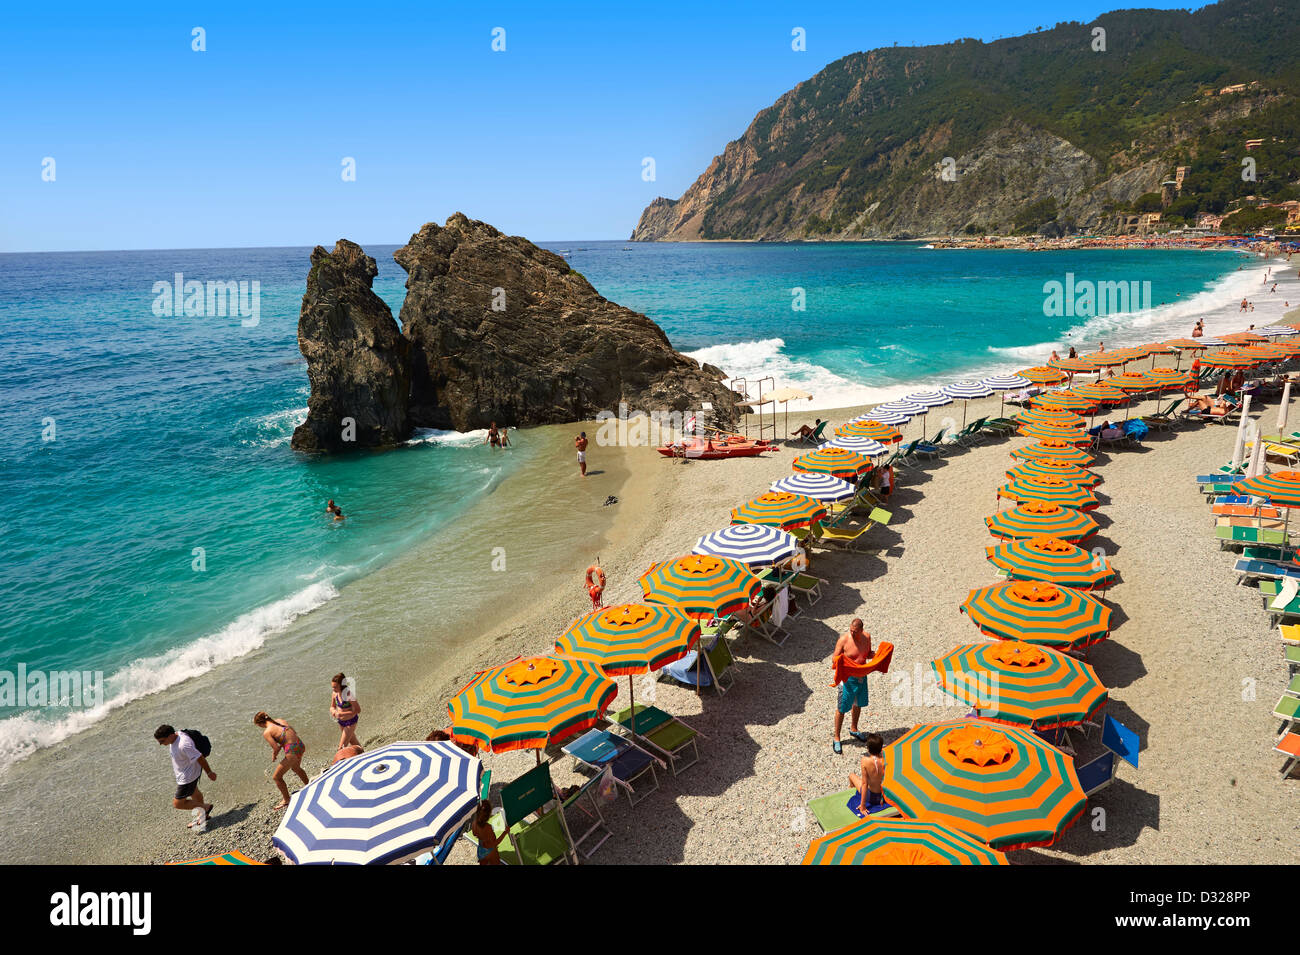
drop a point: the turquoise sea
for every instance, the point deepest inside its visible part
(156, 523)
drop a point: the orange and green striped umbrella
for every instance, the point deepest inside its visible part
(630, 638)
(1052, 414)
(1168, 377)
(875, 430)
(779, 509)
(225, 858)
(1052, 560)
(1188, 344)
(1038, 612)
(1109, 359)
(530, 703)
(1055, 468)
(1101, 393)
(700, 585)
(1238, 338)
(1002, 784)
(1054, 449)
(837, 462)
(1042, 375)
(1073, 364)
(1021, 684)
(1066, 400)
(1281, 489)
(875, 841)
(1041, 519)
(1157, 348)
(1054, 432)
(1133, 381)
(1261, 352)
(1229, 358)
(1056, 490)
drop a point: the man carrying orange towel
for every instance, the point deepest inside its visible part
(855, 648)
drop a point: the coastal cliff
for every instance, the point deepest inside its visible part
(1057, 131)
(493, 328)
(358, 363)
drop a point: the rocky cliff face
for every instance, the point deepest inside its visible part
(493, 329)
(1016, 134)
(504, 331)
(358, 363)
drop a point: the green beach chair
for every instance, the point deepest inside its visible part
(1288, 711)
(1164, 420)
(1002, 426)
(1236, 536)
(1281, 598)
(663, 733)
(544, 841)
(854, 538)
(1291, 657)
(907, 457)
(832, 812)
(816, 437)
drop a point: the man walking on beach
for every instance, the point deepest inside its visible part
(580, 442)
(188, 763)
(855, 647)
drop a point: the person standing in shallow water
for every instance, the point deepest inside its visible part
(345, 708)
(282, 738)
(580, 442)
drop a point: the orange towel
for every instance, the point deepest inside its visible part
(842, 667)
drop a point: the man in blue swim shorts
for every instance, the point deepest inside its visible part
(855, 647)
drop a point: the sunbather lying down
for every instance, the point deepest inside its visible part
(1218, 406)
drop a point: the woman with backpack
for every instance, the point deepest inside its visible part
(282, 738)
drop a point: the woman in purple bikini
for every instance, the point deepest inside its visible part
(345, 708)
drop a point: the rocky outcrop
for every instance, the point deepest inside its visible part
(502, 330)
(358, 363)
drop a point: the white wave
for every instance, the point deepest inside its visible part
(27, 732)
(763, 358)
(448, 438)
(275, 428)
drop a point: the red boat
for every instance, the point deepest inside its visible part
(713, 448)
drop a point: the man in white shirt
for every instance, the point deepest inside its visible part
(188, 764)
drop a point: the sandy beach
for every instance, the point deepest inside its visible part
(1192, 664)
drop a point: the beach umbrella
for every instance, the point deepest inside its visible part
(1065, 400)
(1021, 684)
(900, 406)
(1284, 409)
(1002, 784)
(864, 446)
(701, 586)
(1054, 432)
(382, 807)
(885, 417)
(1003, 384)
(819, 487)
(1278, 330)
(1054, 468)
(927, 400)
(1038, 612)
(1042, 375)
(897, 841)
(628, 639)
(1054, 490)
(837, 462)
(781, 509)
(755, 545)
(1052, 414)
(1073, 365)
(1042, 519)
(1101, 393)
(225, 858)
(966, 391)
(1061, 450)
(1229, 358)
(1131, 381)
(1052, 560)
(875, 430)
(1241, 338)
(1109, 359)
(1256, 466)
(1239, 443)
(1281, 488)
(530, 703)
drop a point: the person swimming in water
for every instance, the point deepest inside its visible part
(493, 436)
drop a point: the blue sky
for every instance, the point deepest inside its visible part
(157, 146)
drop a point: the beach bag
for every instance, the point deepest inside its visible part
(607, 788)
(201, 742)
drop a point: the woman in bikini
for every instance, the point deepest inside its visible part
(345, 709)
(485, 835)
(493, 436)
(282, 738)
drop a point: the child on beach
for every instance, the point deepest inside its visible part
(345, 709)
(595, 584)
(282, 737)
(188, 764)
(485, 835)
(871, 776)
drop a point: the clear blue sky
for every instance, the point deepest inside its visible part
(157, 146)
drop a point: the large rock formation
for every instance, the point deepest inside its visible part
(358, 363)
(503, 330)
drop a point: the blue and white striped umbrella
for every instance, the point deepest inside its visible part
(1210, 343)
(1273, 330)
(928, 399)
(820, 487)
(754, 544)
(885, 416)
(1005, 382)
(967, 390)
(901, 405)
(856, 444)
(382, 807)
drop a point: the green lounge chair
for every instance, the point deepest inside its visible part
(816, 437)
(1281, 598)
(907, 457)
(1291, 657)
(1164, 420)
(973, 434)
(1002, 426)
(1288, 711)
(832, 812)
(1235, 536)
(544, 841)
(853, 538)
(662, 732)
(1293, 688)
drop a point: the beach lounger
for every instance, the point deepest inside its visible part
(627, 762)
(806, 584)
(840, 809)
(854, 538)
(1291, 657)
(816, 437)
(762, 623)
(1281, 598)
(931, 449)
(1288, 711)
(1283, 453)
(715, 658)
(907, 457)
(1252, 570)
(1290, 634)
(663, 733)
(1164, 420)
(1001, 426)
(544, 841)
(1247, 512)
(1230, 536)
(972, 435)
(1278, 555)
(1220, 478)
(1289, 746)
(1121, 742)
(1293, 688)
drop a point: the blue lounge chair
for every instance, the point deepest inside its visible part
(1120, 741)
(1248, 570)
(597, 749)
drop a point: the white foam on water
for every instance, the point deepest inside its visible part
(22, 735)
(276, 428)
(763, 358)
(448, 438)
